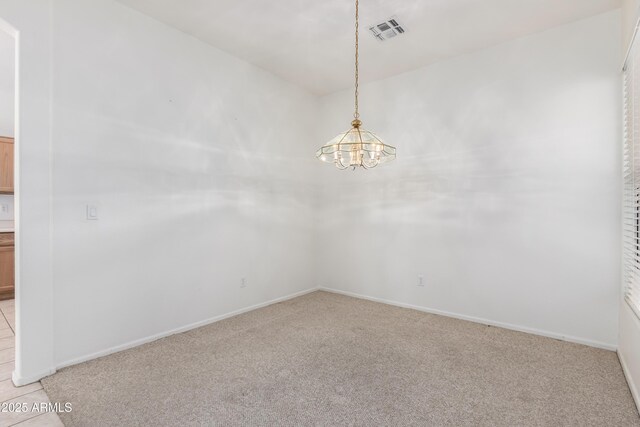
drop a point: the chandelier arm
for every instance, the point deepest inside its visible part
(364, 163)
(373, 163)
(339, 164)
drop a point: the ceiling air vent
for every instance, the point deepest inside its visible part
(387, 29)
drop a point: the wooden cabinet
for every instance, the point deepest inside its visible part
(6, 165)
(7, 266)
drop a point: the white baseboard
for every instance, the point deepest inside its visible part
(19, 381)
(634, 391)
(518, 328)
(185, 328)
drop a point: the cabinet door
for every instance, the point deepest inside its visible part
(6, 165)
(7, 281)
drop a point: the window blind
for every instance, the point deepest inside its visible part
(631, 176)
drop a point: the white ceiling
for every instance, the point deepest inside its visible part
(310, 42)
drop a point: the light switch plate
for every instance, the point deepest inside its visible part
(92, 212)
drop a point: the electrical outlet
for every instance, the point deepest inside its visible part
(421, 281)
(243, 282)
(92, 212)
(6, 207)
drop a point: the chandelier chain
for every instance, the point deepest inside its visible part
(356, 115)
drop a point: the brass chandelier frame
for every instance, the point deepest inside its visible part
(356, 147)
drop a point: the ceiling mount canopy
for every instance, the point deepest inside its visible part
(356, 147)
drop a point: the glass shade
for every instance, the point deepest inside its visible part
(356, 147)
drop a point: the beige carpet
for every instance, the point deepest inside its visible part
(325, 359)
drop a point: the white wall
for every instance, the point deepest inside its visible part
(505, 195)
(629, 333)
(174, 142)
(30, 24)
(194, 160)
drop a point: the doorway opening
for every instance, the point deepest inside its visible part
(7, 205)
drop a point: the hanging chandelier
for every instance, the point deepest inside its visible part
(356, 147)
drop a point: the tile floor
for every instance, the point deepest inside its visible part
(9, 394)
